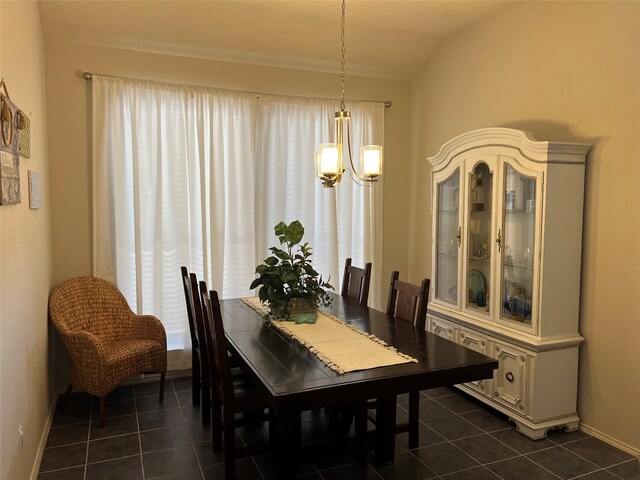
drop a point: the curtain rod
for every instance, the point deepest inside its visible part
(89, 76)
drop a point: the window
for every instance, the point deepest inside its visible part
(199, 177)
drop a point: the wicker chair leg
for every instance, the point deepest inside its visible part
(103, 411)
(65, 397)
(162, 386)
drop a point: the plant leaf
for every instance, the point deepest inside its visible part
(271, 261)
(280, 230)
(294, 232)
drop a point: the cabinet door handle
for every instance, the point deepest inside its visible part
(499, 240)
(509, 376)
(459, 236)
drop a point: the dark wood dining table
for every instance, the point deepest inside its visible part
(293, 379)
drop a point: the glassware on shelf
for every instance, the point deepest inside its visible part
(531, 206)
(483, 252)
(477, 194)
(481, 298)
(516, 303)
(514, 190)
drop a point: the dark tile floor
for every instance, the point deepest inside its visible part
(459, 439)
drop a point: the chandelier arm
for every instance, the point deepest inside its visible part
(354, 171)
(362, 182)
(342, 22)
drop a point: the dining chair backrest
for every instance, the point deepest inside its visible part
(355, 283)
(408, 302)
(221, 380)
(186, 284)
(195, 303)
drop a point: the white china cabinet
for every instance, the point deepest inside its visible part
(506, 249)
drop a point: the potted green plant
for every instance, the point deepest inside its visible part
(288, 283)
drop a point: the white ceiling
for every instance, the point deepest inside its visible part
(384, 38)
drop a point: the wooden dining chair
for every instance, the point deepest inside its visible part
(355, 283)
(236, 394)
(201, 375)
(195, 347)
(406, 303)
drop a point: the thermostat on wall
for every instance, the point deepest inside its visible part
(35, 200)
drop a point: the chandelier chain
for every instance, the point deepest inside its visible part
(344, 8)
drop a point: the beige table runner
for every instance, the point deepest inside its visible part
(341, 347)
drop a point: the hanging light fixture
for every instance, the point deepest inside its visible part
(328, 157)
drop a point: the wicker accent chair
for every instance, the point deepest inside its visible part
(107, 342)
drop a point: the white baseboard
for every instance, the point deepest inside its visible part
(610, 440)
(43, 439)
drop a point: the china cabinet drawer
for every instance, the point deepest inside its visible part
(510, 380)
(442, 328)
(481, 344)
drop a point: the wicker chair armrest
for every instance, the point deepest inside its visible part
(147, 327)
(84, 346)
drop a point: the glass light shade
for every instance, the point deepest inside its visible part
(371, 160)
(316, 163)
(329, 160)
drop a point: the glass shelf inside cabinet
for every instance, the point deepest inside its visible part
(448, 241)
(479, 242)
(519, 245)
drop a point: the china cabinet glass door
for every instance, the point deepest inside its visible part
(518, 244)
(479, 240)
(448, 240)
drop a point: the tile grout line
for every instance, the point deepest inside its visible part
(135, 406)
(86, 458)
(599, 467)
(193, 445)
(482, 432)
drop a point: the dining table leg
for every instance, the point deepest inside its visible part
(289, 435)
(385, 429)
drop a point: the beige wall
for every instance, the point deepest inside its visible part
(25, 256)
(69, 99)
(567, 72)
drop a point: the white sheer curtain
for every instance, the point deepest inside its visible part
(341, 222)
(173, 185)
(178, 180)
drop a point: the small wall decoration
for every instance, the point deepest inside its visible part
(9, 157)
(24, 134)
(35, 199)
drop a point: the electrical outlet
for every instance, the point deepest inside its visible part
(20, 436)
